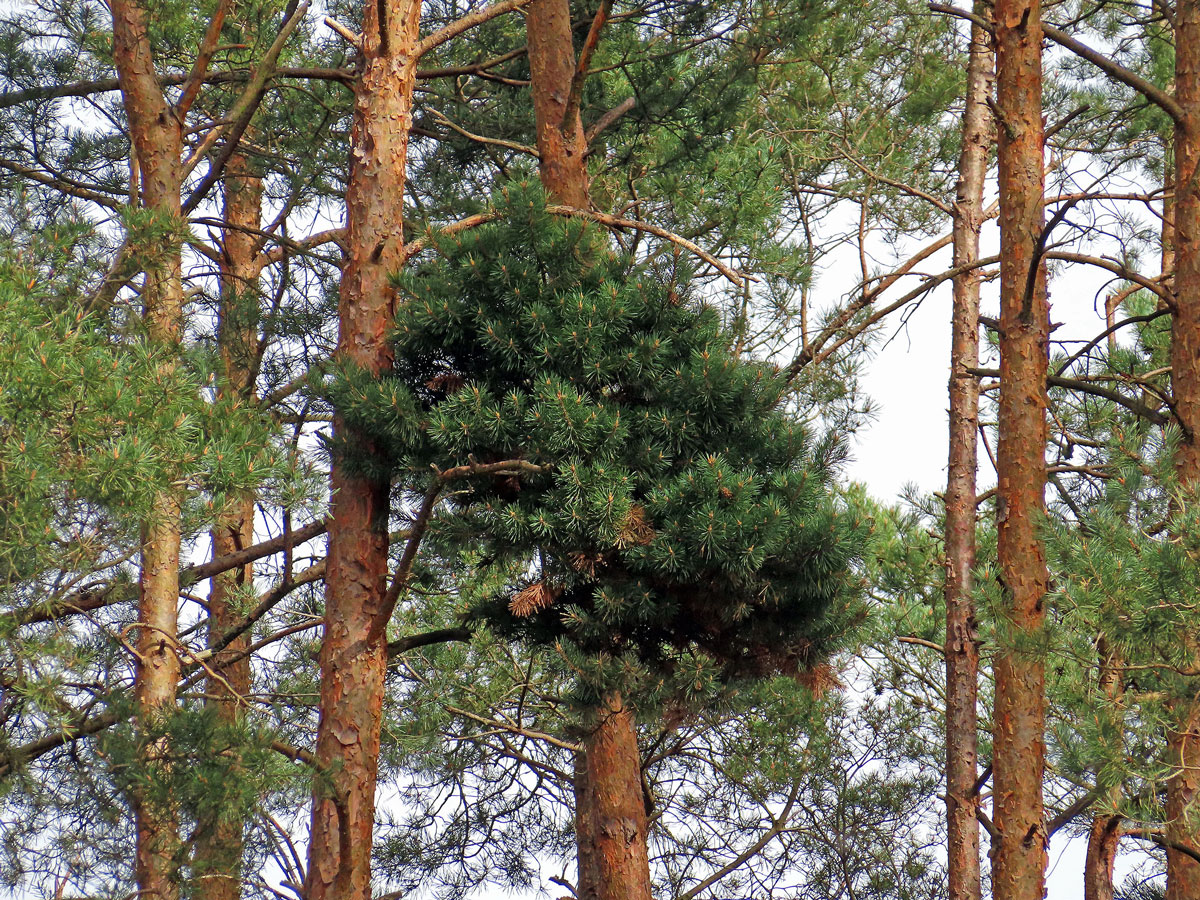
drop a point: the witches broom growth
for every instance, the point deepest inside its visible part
(668, 504)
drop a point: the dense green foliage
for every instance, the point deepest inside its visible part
(676, 504)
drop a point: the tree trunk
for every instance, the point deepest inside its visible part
(1167, 254)
(560, 139)
(962, 641)
(587, 878)
(1104, 836)
(217, 857)
(618, 808)
(1183, 873)
(156, 138)
(610, 814)
(353, 654)
(1019, 848)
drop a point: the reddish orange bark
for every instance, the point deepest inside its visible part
(1019, 848)
(619, 824)
(962, 639)
(610, 815)
(1103, 838)
(217, 857)
(353, 654)
(1183, 873)
(560, 138)
(156, 138)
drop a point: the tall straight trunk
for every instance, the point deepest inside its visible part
(619, 821)
(610, 814)
(219, 844)
(962, 640)
(1018, 761)
(353, 653)
(156, 137)
(561, 144)
(1183, 741)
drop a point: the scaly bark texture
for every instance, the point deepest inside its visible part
(606, 867)
(1018, 761)
(618, 809)
(560, 137)
(156, 138)
(353, 654)
(962, 639)
(587, 878)
(1104, 836)
(218, 845)
(1183, 873)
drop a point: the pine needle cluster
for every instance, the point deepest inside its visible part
(671, 502)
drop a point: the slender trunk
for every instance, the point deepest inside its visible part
(1019, 849)
(612, 857)
(1167, 254)
(1104, 836)
(561, 144)
(353, 653)
(587, 878)
(1183, 753)
(217, 855)
(1183, 742)
(618, 808)
(156, 138)
(962, 641)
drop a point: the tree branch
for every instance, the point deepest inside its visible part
(466, 23)
(1065, 817)
(1117, 72)
(240, 115)
(1087, 387)
(608, 118)
(738, 278)
(575, 95)
(67, 734)
(400, 646)
(208, 45)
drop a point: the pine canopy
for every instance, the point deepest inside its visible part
(676, 504)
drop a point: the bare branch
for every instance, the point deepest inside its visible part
(575, 95)
(240, 115)
(738, 278)
(208, 45)
(466, 23)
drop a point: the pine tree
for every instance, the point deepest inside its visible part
(666, 522)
